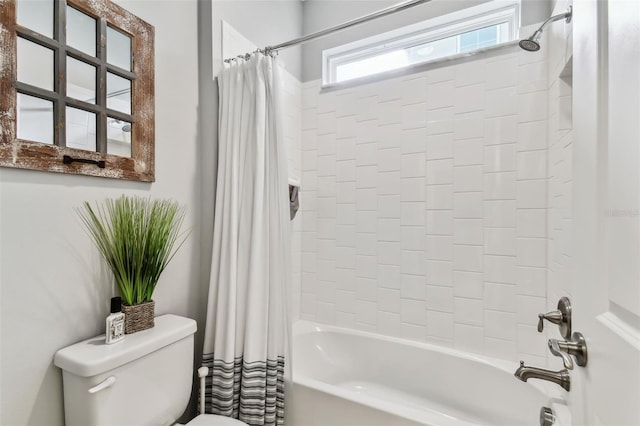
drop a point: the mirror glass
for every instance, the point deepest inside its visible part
(118, 49)
(34, 119)
(35, 64)
(81, 129)
(81, 80)
(118, 93)
(118, 137)
(81, 31)
(37, 15)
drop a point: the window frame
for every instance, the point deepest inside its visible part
(450, 25)
(18, 153)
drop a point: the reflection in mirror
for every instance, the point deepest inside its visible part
(34, 119)
(81, 80)
(81, 129)
(118, 49)
(118, 93)
(35, 64)
(118, 137)
(81, 31)
(37, 15)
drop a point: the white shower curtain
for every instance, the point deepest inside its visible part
(245, 333)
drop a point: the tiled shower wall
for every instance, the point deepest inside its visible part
(424, 204)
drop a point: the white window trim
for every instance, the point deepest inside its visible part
(473, 18)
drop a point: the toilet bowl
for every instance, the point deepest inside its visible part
(143, 380)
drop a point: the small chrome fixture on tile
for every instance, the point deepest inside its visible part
(561, 317)
(576, 347)
(547, 418)
(561, 377)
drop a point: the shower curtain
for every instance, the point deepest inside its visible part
(245, 332)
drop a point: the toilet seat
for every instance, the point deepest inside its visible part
(214, 420)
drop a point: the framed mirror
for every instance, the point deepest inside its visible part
(77, 84)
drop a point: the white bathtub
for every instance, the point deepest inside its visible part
(343, 377)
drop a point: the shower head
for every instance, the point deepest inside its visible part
(531, 44)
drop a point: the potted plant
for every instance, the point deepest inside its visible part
(137, 237)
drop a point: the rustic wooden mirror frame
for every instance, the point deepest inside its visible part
(26, 154)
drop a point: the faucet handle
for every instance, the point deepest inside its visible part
(555, 349)
(560, 317)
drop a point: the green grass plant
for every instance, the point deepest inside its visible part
(137, 237)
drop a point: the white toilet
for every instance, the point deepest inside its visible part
(143, 380)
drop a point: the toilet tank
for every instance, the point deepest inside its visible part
(143, 380)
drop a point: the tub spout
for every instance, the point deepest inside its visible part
(561, 377)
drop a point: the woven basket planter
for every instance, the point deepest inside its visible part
(138, 317)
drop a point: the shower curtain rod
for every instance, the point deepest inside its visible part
(322, 33)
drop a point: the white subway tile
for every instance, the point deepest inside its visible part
(389, 160)
(387, 136)
(345, 257)
(528, 308)
(326, 123)
(532, 106)
(366, 289)
(532, 164)
(500, 297)
(439, 146)
(345, 300)
(412, 213)
(501, 73)
(500, 269)
(440, 121)
(414, 141)
(500, 158)
(389, 299)
(468, 126)
(366, 108)
(389, 206)
(366, 312)
(368, 131)
(532, 135)
(468, 284)
(366, 243)
(389, 112)
(467, 231)
(469, 338)
(532, 194)
(389, 230)
(345, 149)
(531, 281)
(412, 238)
(468, 205)
(389, 324)
(532, 223)
(468, 311)
(468, 152)
(366, 154)
(388, 275)
(440, 95)
(412, 189)
(366, 177)
(500, 213)
(500, 186)
(469, 98)
(532, 252)
(500, 241)
(346, 171)
(439, 272)
(414, 115)
(439, 298)
(467, 258)
(500, 130)
(345, 235)
(499, 348)
(500, 325)
(414, 90)
(366, 199)
(439, 247)
(439, 171)
(388, 183)
(389, 253)
(345, 319)
(468, 73)
(412, 262)
(345, 127)
(533, 77)
(530, 341)
(439, 197)
(412, 287)
(346, 279)
(309, 119)
(439, 222)
(501, 102)
(412, 165)
(440, 324)
(413, 311)
(412, 331)
(467, 178)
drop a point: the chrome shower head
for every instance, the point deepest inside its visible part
(531, 44)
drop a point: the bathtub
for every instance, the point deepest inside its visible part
(344, 377)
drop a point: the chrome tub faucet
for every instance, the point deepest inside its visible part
(561, 377)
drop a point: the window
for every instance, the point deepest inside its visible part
(79, 85)
(460, 32)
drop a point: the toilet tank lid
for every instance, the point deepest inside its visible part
(93, 356)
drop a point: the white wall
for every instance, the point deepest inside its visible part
(424, 205)
(321, 14)
(54, 290)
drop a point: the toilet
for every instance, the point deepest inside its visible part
(143, 380)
